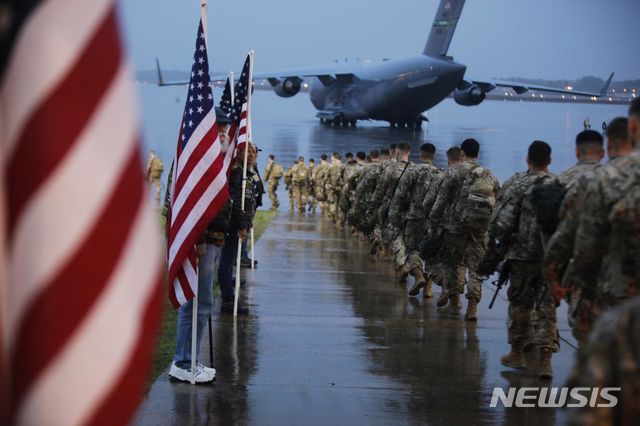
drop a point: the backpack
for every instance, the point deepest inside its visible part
(302, 174)
(624, 217)
(477, 199)
(157, 167)
(277, 171)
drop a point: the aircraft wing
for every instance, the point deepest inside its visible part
(520, 88)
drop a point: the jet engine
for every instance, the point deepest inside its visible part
(288, 87)
(468, 94)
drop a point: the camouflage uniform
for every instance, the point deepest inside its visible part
(288, 178)
(559, 249)
(272, 174)
(334, 187)
(311, 192)
(514, 222)
(610, 359)
(381, 200)
(319, 176)
(349, 179)
(301, 185)
(365, 190)
(407, 202)
(606, 247)
(461, 244)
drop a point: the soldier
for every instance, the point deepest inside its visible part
(467, 194)
(334, 185)
(319, 177)
(607, 239)
(589, 152)
(434, 266)
(311, 193)
(288, 182)
(381, 200)
(609, 359)
(514, 223)
(406, 211)
(351, 177)
(272, 174)
(559, 250)
(365, 190)
(153, 174)
(300, 178)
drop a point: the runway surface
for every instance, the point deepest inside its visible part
(333, 339)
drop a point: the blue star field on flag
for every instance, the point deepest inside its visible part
(225, 100)
(241, 93)
(200, 97)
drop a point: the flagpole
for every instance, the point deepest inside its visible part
(194, 316)
(232, 88)
(244, 179)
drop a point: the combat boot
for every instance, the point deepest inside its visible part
(313, 210)
(472, 312)
(515, 359)
(420, 281)
(454, 306)
(442, 300)
(544, 363)
(403, 274)
(427, 293)
(334, 217)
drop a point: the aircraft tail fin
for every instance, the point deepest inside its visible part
(160, 81)
(444, 25)
(603, 92)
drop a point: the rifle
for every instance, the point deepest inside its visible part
(503, 269)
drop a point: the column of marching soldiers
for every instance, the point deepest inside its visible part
(572, 236)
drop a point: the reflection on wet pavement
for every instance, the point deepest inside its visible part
(333, 339)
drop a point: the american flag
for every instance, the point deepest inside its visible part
(225, 100)
(199, 187)
(238, 129)
(80, 297)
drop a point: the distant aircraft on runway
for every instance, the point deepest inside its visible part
(399, 90)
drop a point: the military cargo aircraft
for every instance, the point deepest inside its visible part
(399, 90)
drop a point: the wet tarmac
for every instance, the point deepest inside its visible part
(333, 339)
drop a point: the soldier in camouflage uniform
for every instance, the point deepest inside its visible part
(351, 178)
(334, 185)
(272, 174)
(365, 191)
(288, 182)
(381, 199)
(300, 179)
(514, 223)
(311, 192)
(356, 213)
(467, 194)
(433, 268)
(559, 249)
(606, 254)
(350, 168)
(407, 212)
(319, 177)
(610, 358)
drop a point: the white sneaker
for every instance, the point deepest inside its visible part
(206, 369)
(183, 374)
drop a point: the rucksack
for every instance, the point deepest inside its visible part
(302, 174)
(624, 217)
(477, 199)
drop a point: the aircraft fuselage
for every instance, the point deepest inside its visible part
(394, 90)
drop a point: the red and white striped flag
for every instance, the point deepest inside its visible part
(238, 129)
(199, 186)
(82, 256)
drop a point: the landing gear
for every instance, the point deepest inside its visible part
(337, 121)
(353, 123)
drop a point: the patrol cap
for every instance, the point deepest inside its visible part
(221, 117)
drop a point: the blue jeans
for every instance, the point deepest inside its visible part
(182, 356)
(245, 253)
(228, 258)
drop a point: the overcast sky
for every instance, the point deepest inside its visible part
(549, 39)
